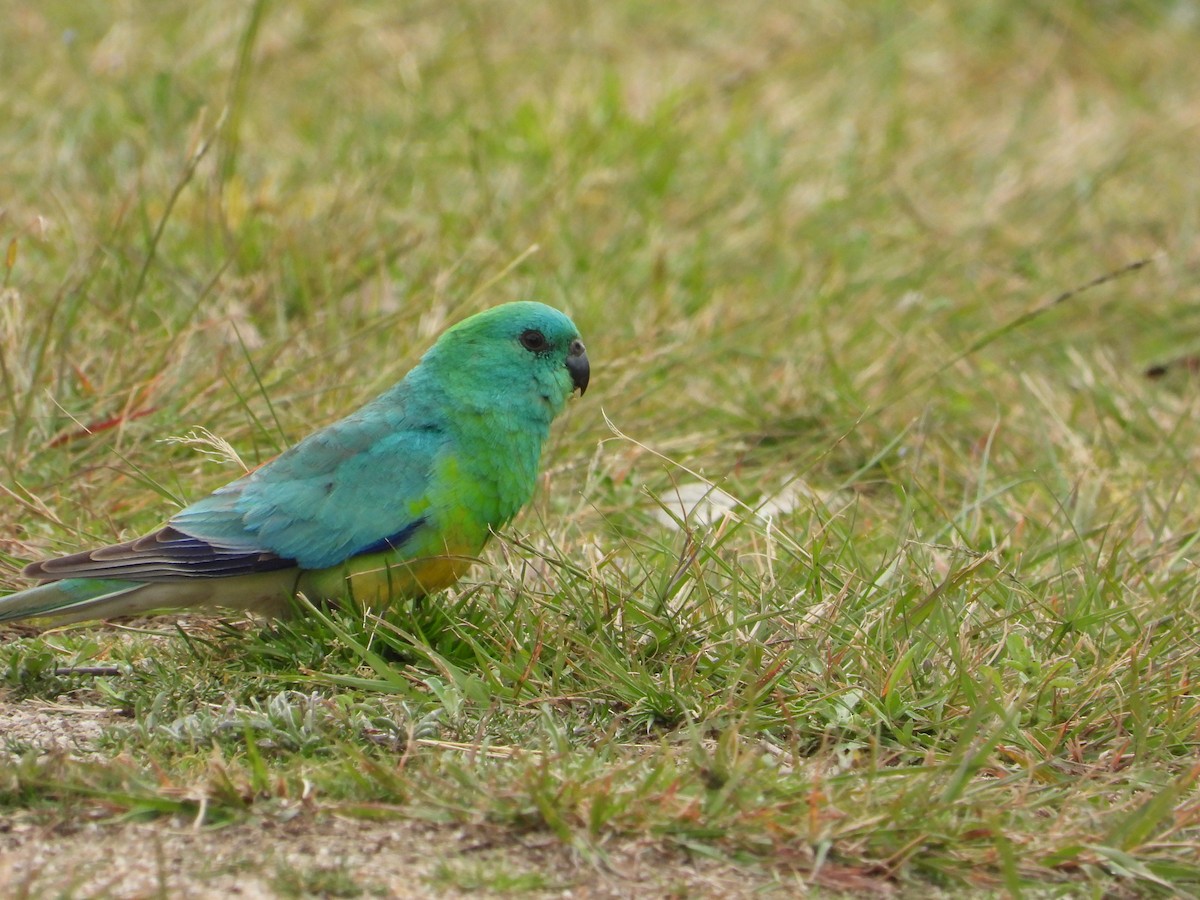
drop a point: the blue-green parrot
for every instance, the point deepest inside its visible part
(395, 500)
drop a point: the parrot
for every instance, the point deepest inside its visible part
(398, 499)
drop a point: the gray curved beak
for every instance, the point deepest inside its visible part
(577, 365)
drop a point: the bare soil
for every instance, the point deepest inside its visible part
(337, 857)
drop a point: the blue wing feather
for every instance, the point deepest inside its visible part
(358, 486)
(347, 489)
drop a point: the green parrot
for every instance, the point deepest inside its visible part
(395, 500)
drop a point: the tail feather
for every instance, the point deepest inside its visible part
(71, 600)
(83, 599)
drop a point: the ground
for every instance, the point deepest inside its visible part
(300, 851)
(339, 857)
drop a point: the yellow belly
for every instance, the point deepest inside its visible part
(374, 580)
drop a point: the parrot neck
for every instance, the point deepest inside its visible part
(505, 469)
(495, 431)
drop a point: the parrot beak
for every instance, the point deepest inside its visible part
(577, 365)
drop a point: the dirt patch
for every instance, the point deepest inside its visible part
(69, 728)
(336, 857)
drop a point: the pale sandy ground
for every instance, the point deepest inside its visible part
(388, 859)
(320, 854)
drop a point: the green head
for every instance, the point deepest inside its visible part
(523, 358)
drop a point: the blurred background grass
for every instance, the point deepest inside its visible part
(777, 226)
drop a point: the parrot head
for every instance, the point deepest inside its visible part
(515, 354)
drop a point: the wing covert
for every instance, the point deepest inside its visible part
(354, 487)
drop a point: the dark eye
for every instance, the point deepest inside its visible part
(533, 340)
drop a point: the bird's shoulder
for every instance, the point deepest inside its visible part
(395, 426)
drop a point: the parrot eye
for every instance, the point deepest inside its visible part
(533, 340)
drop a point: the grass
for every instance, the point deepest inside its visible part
(937, 629)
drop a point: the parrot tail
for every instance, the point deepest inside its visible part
(82, 599)
(76, 599)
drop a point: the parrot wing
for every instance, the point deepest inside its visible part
(357, 486)
(165, 555)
